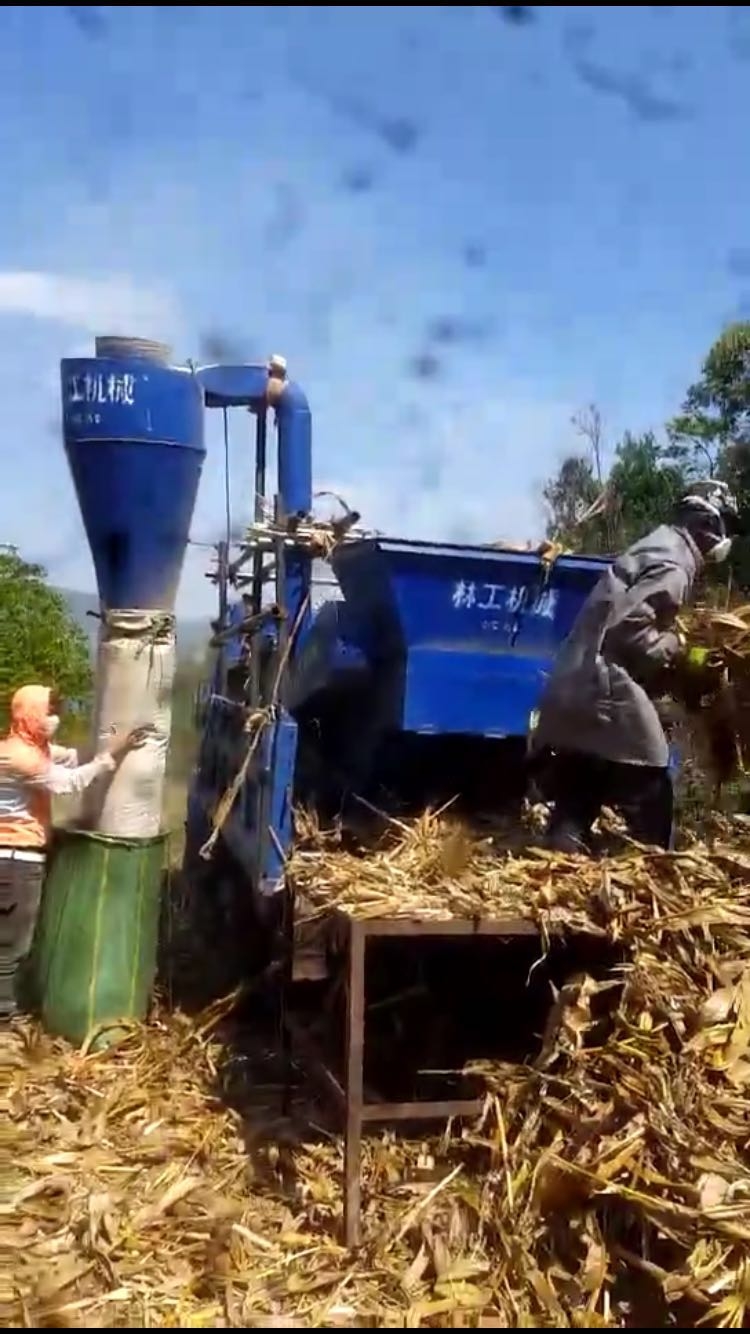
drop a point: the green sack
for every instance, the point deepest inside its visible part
(94, 957)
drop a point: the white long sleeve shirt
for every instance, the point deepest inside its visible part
(23, 830)
(65, 755)
(65, 777)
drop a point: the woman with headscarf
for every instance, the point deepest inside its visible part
(32, 771)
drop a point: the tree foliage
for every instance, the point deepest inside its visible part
(643, 483)
(710, 436)
(711, 433)
(715, 414)
(567, 496)
(39, 640)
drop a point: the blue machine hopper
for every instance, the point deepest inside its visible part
(436, 655)
(448, 639)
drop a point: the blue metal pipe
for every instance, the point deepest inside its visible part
(257, 387)
(294, 422)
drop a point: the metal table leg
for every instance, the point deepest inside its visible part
(285, 999)
(355, 1038)
(351, 936)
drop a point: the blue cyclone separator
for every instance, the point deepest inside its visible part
(133, 431)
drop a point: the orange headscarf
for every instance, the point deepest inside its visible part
(25, 754)
(28, 710)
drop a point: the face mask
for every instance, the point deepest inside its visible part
(720, 552)
(51, 724)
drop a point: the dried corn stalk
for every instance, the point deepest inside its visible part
(722, 725)
(608, 1185)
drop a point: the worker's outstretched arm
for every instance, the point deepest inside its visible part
(647, 642)
(62, 781)
(65, 756)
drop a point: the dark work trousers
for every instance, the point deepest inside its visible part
(582, 784)
(21, 882)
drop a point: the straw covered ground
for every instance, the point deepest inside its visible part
(606, 1185)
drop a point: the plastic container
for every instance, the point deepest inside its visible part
(94, 957)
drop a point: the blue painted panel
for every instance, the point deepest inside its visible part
(477, 694)
(418, 593)
(258, 831)
(231, 651)
(244, 385)
(279, 760)
(133, 434)
(462, 636)
(324, 652)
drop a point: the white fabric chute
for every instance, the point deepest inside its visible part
(134, 680)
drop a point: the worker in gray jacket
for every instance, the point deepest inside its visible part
(597, 722)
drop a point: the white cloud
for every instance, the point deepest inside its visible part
(110, 304)
(469, 474)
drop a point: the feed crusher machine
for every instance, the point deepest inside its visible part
(417, 683)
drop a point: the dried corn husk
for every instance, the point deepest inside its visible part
(722, 726)
(606, 1185)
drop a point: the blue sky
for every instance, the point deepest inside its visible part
(459, 230)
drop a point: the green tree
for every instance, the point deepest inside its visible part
(567, 496)
(39, 640)
(709, 436)
(712, 429)
(715, 414)
(644, 484)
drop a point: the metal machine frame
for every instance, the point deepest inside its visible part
(286, 561)
(431, 642)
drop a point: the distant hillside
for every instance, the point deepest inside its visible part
(192, 635)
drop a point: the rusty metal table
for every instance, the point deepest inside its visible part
(349, 1097)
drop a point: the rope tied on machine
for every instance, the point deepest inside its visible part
(126, 622)
(319, 538)
(150, 627)
(255, 724)
(550, 549)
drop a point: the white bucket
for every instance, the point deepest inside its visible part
(134, 680)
